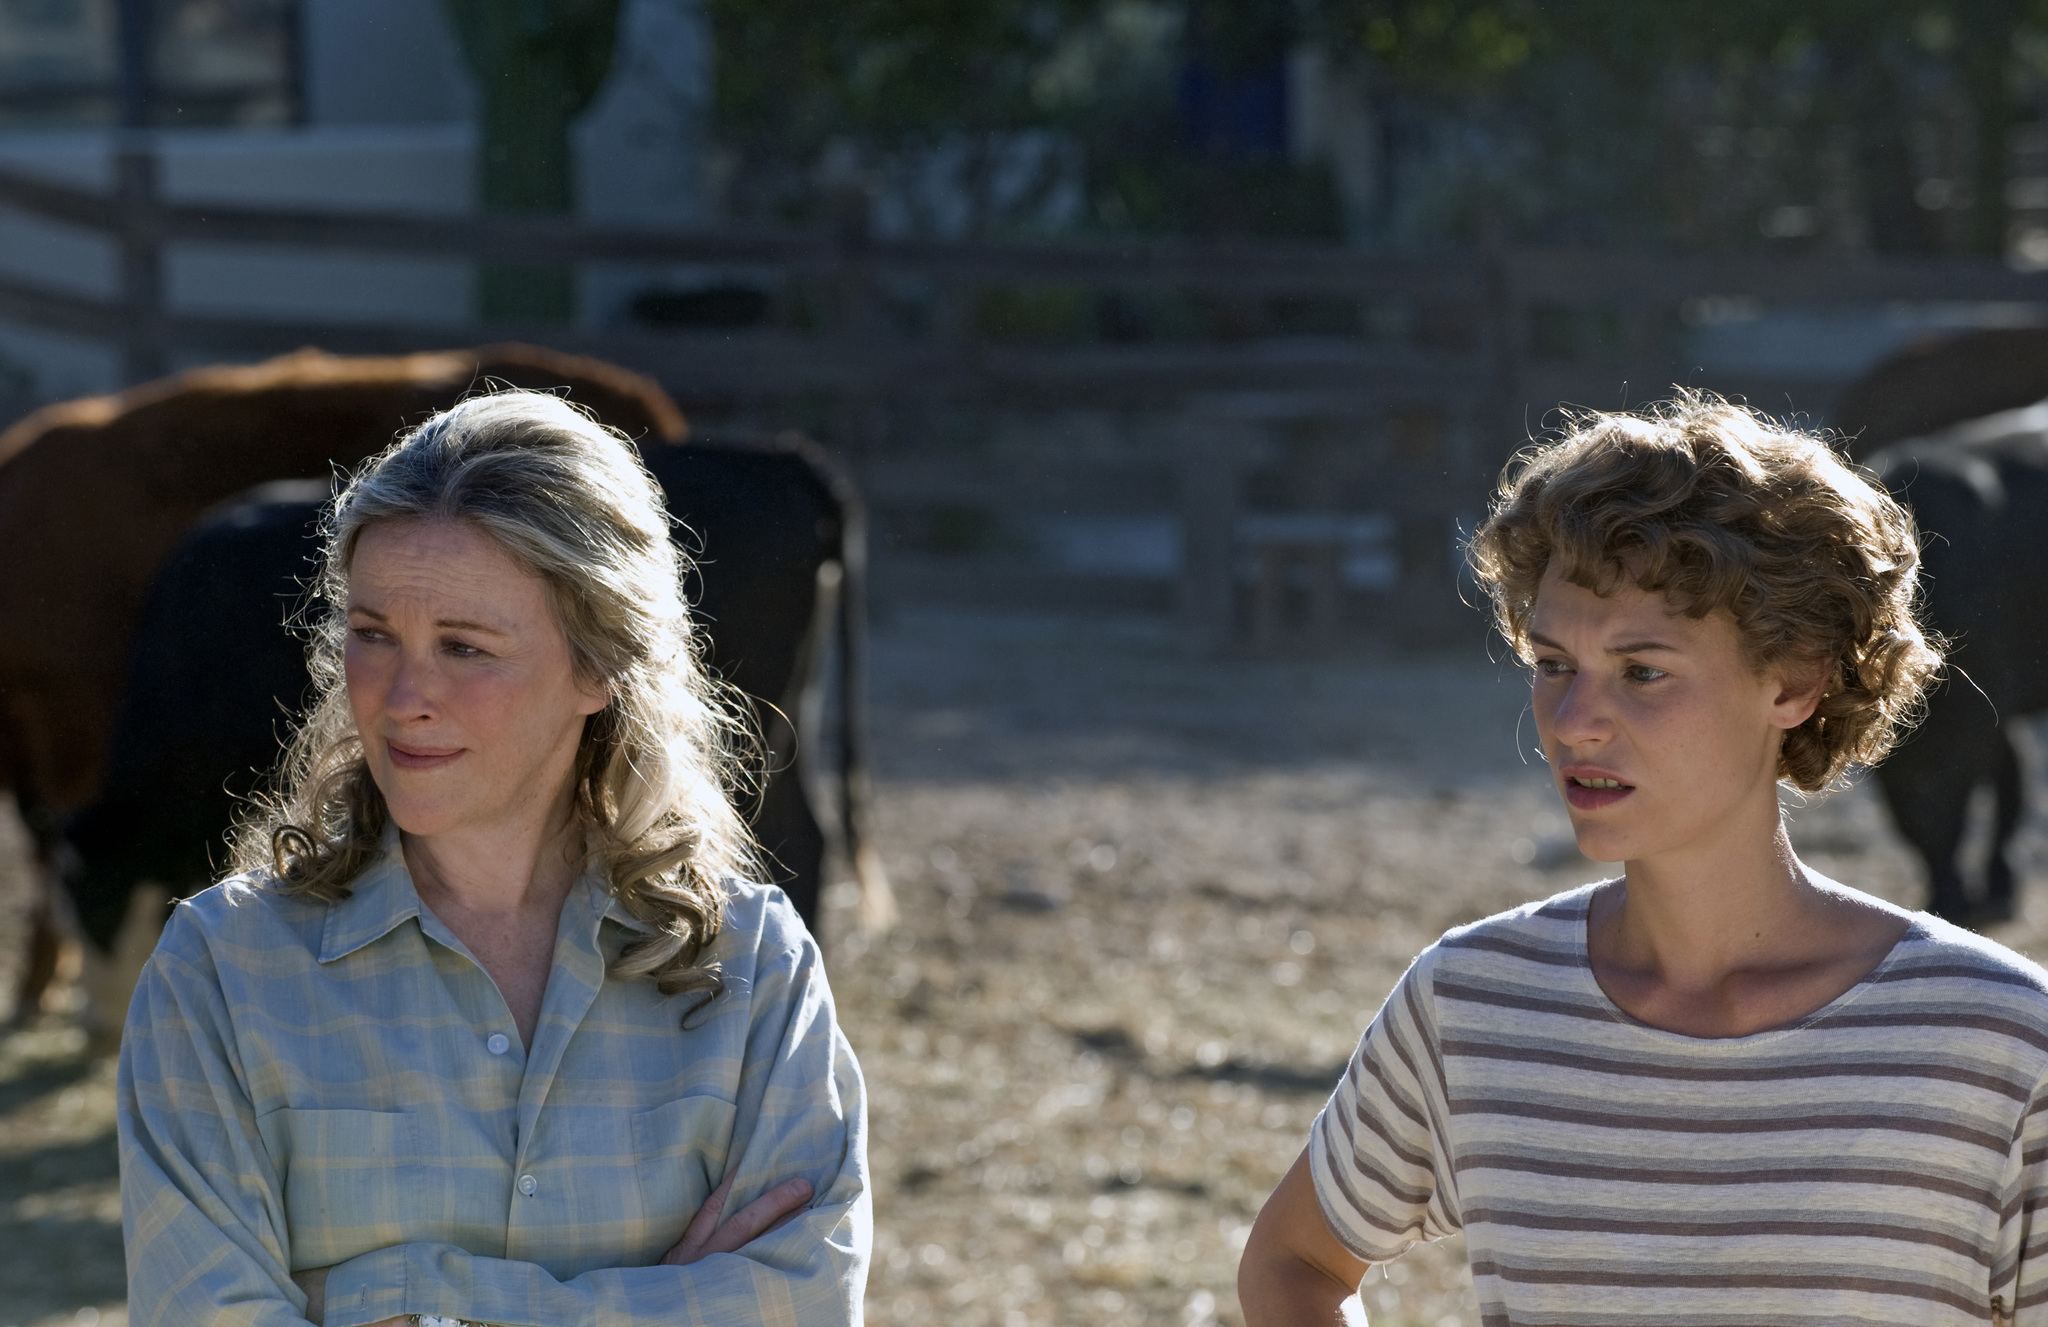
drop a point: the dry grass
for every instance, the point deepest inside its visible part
(1149, 903)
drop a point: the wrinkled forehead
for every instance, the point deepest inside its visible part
(448, 564)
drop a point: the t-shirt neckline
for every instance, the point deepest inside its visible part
(1581, 943)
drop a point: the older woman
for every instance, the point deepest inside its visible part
(489, 1027)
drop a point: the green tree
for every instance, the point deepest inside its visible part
(1584, 100)
(1878, 63)
(538, 64)
(884, 80)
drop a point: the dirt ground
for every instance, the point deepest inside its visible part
(1149, 903)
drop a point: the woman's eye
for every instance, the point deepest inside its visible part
(1644, 673)
(368, 635)
(464, 650)
(1552, 668)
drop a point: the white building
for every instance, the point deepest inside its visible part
(385, 106)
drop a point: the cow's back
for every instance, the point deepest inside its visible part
(94, 493)
(1939, 382)
(1979, 494)
(760, 518)
(214, 680)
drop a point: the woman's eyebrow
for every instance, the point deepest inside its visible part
(451, 623)
(1627, 647)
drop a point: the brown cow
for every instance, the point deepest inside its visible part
(95, 493)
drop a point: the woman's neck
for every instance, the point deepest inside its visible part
(1697, 915)
(501, 894)
(1733, 935)
(498, 871)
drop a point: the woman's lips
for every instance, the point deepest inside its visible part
(419, 758)
(1582, 798)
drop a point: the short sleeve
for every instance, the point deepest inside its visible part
(1377, 1152)
(2019, 1276)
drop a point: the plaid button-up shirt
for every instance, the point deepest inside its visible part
(310, 1085)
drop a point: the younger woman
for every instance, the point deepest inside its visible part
(1720, 1088)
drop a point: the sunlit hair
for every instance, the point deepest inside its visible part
(571, 502)
(1720, 509)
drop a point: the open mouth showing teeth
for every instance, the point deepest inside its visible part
(1598, 783)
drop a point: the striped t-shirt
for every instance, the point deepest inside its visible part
(1883, 1160)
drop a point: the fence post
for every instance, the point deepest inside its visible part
(857, 322)
(1506, 323)
(142, 268)
(1214, 446)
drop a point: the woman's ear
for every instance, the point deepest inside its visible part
(1799, 691)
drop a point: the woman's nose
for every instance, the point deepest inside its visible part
(1582, 714)
(413, 688)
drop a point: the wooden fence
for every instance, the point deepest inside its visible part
(1483, 338)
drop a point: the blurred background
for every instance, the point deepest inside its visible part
(1172, 344)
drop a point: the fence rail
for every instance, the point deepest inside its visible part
(1498, 289)
(1470, 345)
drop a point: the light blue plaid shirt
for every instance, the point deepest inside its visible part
(309, 1085)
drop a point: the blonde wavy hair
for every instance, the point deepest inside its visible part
(1720, 509)
(658, 766)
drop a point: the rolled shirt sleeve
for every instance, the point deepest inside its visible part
(200, 1211)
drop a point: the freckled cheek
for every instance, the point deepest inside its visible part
(491, 709)
(365, 682)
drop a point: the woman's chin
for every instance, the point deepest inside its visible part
(1601, 844)
(421, 821)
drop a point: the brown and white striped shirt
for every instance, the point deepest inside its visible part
(1883, 1160)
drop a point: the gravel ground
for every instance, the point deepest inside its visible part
(1149, 902)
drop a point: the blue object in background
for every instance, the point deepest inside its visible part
(1237, 114)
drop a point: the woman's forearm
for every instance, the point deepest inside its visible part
(804, 1266)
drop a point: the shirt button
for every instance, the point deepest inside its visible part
(527, 1185)
(498, 1044)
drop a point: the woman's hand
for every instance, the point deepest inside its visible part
(708, 1235)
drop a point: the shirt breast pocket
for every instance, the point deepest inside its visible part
(345, 1179)
(681, 1149)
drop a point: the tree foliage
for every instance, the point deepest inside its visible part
(1612, 109)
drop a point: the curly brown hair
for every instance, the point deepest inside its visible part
(1721, 509)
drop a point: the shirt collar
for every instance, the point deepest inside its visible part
(615, 911)
(382, 896)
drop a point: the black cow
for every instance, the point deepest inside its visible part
(1979, 491)
(777, 536)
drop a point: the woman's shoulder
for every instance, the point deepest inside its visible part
(760, 924)
(245, 911)
(1547, 932)
(1937, 954)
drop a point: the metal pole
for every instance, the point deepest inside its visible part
(135, 184)
(135, 34)
(142, 271)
